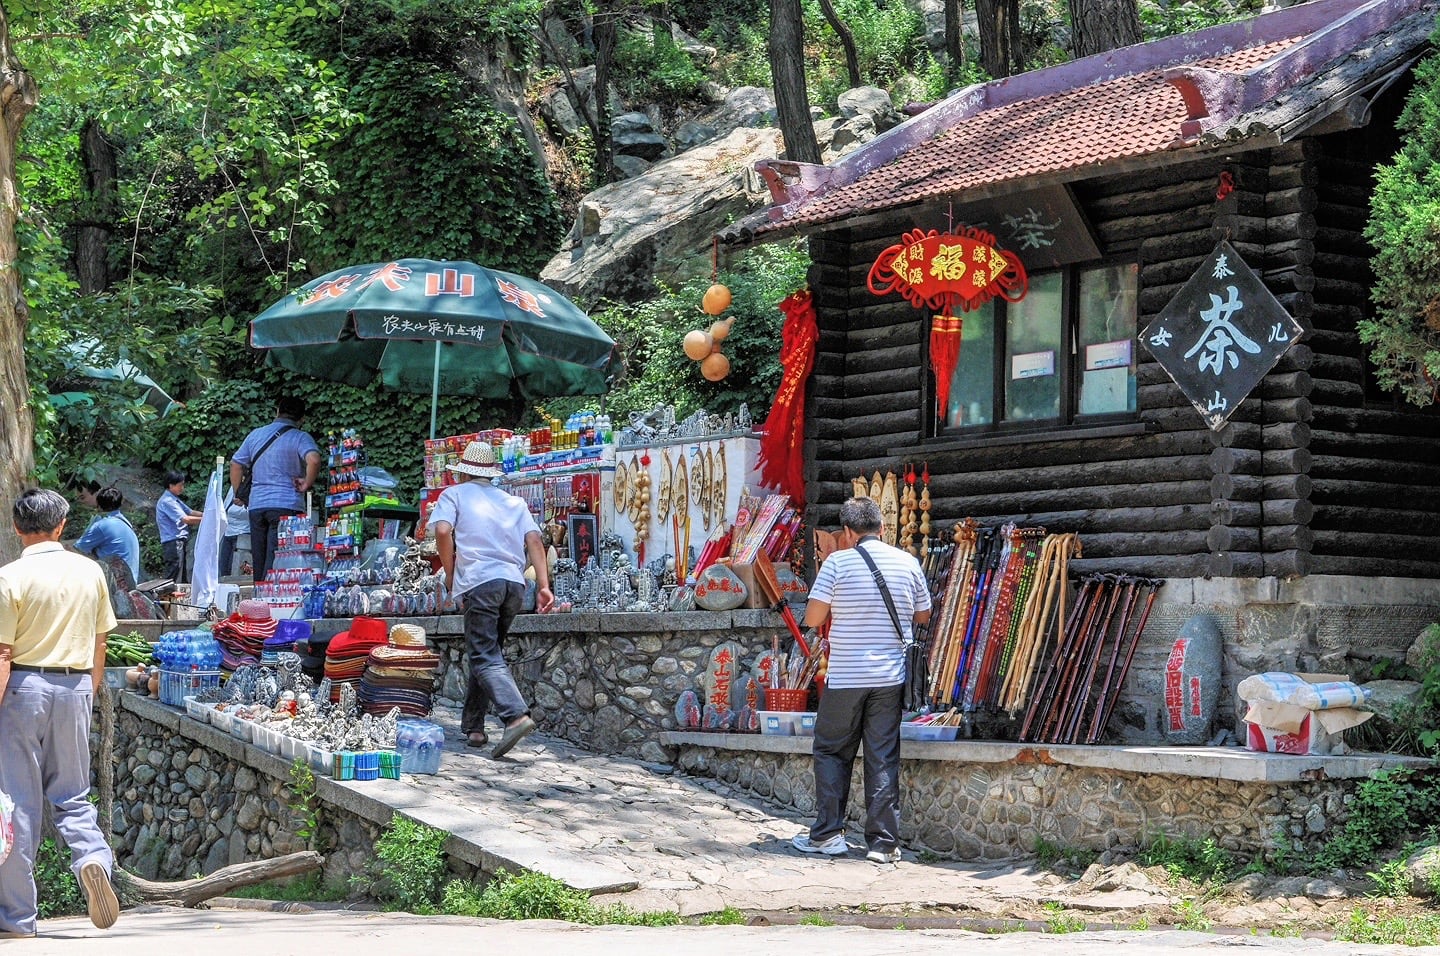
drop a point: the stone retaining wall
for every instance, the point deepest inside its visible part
(1000, 804)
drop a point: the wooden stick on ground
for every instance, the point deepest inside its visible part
(190, 893)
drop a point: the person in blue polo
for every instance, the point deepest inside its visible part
(174, 519)
(284, 462)
(110, 534)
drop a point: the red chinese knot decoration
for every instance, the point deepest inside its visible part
(940, 271)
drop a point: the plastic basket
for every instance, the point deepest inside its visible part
(914, 731)
(787, 700)
(175, 686)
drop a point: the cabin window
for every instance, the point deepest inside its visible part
(1063, 354)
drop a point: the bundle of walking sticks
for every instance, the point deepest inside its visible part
(1000, 639)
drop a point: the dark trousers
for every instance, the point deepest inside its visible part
(174, 555)
(264, 533)
(489, 609)
(847, 716)
(227, 554)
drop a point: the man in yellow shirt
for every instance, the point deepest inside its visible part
(54, 617)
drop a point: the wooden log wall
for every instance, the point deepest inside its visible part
(1306, 478)
(1376, 464)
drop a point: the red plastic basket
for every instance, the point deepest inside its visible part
(787, 700)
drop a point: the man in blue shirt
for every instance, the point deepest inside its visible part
(174, 519)
(284, 463)
(110, 535)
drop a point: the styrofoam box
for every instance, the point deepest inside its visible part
(197, 710)
(222, 720)
(322, 761)
(778, 723)
(914, 731)
(244, 729)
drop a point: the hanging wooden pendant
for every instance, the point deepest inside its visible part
(621, 490)
(719, 490)
(889, 509)
(858, 487)
(698, 477)
(667, 480)
(877, 487)
(680, 493)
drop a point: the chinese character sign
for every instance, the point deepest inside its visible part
(1220, 335)
(944, 271)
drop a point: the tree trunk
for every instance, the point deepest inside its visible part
(1100, 25)
(1000, 43)
(847, 40)
(92, 240)
(17, 425)
(954, 40)
(787, 68)
(222, 881)
(604, 31)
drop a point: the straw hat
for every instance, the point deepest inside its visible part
(407, 635)
(478, 460)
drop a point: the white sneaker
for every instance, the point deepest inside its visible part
(883, 856)
(835, 846)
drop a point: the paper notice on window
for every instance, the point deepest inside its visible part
(1107, 355)
(1032, 364)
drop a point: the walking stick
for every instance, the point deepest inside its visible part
(1039, 704)
(1131, 597)
(1154, 584)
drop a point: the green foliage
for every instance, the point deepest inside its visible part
(1200, 861)
(1390, 879)
(1404, 229)
(1163, 18)
(1389, 808)
(410, 866)
(889, 42)
(1057, 920)
(729, 916)
(1367, 926)
(304, 803)
(531, 895)
(650, 333)
(1192, 916)
(815, 919)
(650, 66)
(58, 891)
(1049, 854)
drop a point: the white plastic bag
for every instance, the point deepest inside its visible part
(7, 825)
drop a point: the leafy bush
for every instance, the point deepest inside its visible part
(1388, 809)
(58, 891)
(410, 866)
(649, 65)
(1159, 18)
(889, 42)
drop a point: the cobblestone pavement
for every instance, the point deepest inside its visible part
(690, 843)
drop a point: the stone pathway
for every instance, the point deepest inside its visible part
(687, 844)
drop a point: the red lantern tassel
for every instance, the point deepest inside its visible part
(944, 356)
(781, 459)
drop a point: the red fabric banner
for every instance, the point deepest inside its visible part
(782, 459)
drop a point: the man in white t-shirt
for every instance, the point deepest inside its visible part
(865, 682)
(485, 538)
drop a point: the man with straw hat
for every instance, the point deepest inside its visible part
(485, 538)
(872, 594)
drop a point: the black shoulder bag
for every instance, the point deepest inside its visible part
(247, 473)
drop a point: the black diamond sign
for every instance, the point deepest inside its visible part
(1220, 335)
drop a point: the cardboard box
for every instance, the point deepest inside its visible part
(1280, 726)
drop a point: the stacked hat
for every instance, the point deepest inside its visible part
(348, 651)
(287, 634)
(242, 635)
(400, 674)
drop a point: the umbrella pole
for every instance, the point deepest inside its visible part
(435, 389)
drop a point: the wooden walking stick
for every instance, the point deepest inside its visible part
(1131, 595)
(1154, 584)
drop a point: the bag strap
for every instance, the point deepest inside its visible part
(268, 442)
(884, 594)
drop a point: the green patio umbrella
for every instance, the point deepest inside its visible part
(447, 328)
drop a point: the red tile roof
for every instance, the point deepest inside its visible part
(1127, 117)
(1089, 113)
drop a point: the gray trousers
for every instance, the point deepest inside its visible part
(847, 716)
(489, 610)
(45, 758)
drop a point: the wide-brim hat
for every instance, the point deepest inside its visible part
(407, 635)
(478, 461)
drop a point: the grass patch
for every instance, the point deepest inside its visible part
(729, 916)
(815, 919)
(1364, 926)
(1057, 920)
(310, 888)
(1199, 861)
(537, 896)
(1192, 916)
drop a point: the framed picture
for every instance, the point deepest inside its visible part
(584, 537)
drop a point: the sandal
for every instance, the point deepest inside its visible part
(477, 740)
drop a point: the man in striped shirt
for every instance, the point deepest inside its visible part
(865, 681)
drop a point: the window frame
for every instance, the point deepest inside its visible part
(1067, 370)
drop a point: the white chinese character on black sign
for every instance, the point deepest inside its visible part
(1220, 335)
